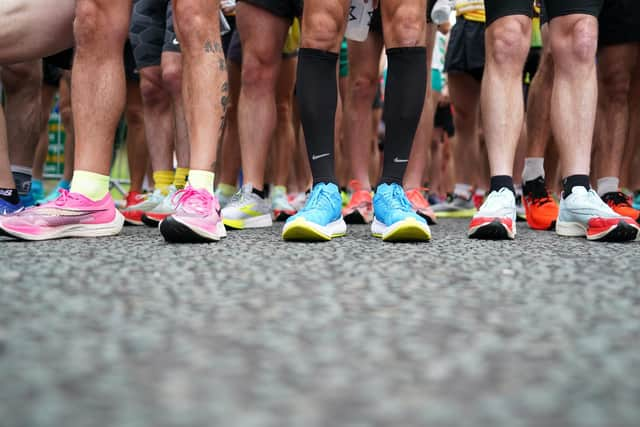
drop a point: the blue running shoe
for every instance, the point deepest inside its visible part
(37, 191)
(63, 184)
(321, 218)
(636, 201)
(28, 200)
(7, 208)
(394, 218)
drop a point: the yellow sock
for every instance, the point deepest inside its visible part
(91, 185)
(180, 179)
(162, 180)
(201, 179)
(227, 190)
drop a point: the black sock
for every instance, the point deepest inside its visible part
(10, 195)
(23, 182)
(317, 92)
(502, 181)
(574, 181)
(403, 102)
(258, 192)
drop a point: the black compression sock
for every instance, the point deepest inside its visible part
(258, 192)
(10, 195)
(574, 181)
(317, 92)
(502, 181)
(403, 102)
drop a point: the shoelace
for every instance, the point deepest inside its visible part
(618, 198)
(63, 197)
(318, 199)
(396, 199)
(197, 201)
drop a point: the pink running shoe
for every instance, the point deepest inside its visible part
(197, 218)
(70, 215)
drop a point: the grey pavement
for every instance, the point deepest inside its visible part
(252, 331)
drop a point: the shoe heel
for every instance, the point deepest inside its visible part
(570, 229)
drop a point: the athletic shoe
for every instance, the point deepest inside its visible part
(457, 207)
(197, 218)
(37, 192)
(395, 219)
(54, 194)
(70, 215)
(282, 209)
(478, 200)
(521, 213)
(421, 205)
(28, 200)
(359, 210)
(224, 193)
(321, 217)
(540, 208)
(620, 203)
(496, 218)
(247, 210)
(345, 198)
(7, 208)
(583, 213)
(165, 208)
(133, 213)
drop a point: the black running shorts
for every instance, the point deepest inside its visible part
(51, 74)
(284, 8)
(465, 53)
(619, 22)
(496, 9)
(152, 32)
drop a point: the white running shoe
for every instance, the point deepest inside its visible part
(247, 210)
(496, 218)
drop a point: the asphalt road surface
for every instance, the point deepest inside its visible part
(252, 331)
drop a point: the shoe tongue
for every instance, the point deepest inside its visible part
(578, 190)
(247, 188)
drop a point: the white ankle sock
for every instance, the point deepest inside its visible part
(533, 168)
(462, 190)
(608, 184)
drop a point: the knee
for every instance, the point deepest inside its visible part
(322, 31)
(283, 109)
(407, 26)
(172, 78)
(134, 116)
(363, 88)
(258, 71)
(94, 24)
(508, 43)
(151, 88)
(23, 78)
(197, 22)
(577, 44)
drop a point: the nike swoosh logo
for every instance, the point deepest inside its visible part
(319, 156)
(397, 160)
(175, 42)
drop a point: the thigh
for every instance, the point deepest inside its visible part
(496, 9)
(253, 22)
(21, 22)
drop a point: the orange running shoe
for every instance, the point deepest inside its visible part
(359, 210)
(139, 205)
(540, 208)
(621, 204)
(421, 205)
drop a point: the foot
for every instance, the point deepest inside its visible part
(320, 219)
(280, 205)
(583, 213)
(457, 207)
(165, 208)
(247, 210)
(224, 193)
(8, 208)
(496, 219)
(636, 201)
(70, 215)
(621, 204)
(359, 210)
(421, 205)
(145, 203)
(540, 208)
(196, 220)
(54, 194)
(395, 219)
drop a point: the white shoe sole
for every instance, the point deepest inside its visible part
(261, 221)
(304, 230)
(76, 230)
(576, 229)
(408, 230)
